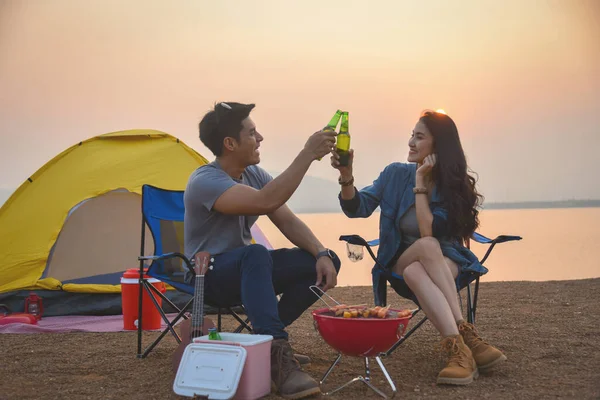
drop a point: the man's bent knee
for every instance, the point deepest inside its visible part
(257, 250)
(258, 255)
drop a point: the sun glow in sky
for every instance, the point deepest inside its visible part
(520, 78)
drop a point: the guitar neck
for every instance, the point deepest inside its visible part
(198, 308)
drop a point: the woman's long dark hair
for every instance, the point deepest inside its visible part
(455, 185)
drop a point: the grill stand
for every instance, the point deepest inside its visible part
(364, 379)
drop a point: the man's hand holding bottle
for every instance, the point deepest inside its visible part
(320, 143)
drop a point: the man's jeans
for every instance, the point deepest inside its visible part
(254, 276)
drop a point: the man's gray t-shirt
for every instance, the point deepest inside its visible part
(206, 229)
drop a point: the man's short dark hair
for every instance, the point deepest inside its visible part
(225, 120)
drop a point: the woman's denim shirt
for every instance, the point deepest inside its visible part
(393, 192)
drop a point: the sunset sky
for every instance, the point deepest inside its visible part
(520, 78)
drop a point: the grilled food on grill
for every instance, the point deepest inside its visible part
(362, 311)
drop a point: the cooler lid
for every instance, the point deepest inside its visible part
(212, 370)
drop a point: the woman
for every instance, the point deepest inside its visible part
(428, 210)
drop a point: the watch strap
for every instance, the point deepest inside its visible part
(324, 253)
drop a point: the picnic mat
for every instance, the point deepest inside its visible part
(73, 323)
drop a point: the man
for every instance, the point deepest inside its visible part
(223, 200)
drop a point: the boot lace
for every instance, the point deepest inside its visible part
(457, 355)
(471, 337)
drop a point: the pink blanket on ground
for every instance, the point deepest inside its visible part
(72, 323)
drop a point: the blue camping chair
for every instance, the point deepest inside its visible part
(163, 213)
(382, 275)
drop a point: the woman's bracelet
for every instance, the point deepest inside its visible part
(420, 190)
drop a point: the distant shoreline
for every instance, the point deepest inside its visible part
(303, 201)
(543, 204)
(522, 205)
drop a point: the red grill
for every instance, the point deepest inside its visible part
(363, 337)
(359, 337)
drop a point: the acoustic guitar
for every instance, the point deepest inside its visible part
(198, 325)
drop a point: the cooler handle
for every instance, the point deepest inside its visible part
(217, 342)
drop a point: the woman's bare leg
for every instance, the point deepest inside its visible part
(453, 268)
(428, 253)
(461, 368)
(431, 299)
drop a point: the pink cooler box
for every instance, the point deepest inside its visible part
(249, 381)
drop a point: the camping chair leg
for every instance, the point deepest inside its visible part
(140, 312)
(470, 317)
(140, 282)
(219, 320)
(403, 338)
(475, 298)
(150, 288)
(166, 330)
(165, 299)
(243, 324)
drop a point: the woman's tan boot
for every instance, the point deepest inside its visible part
(461, 368)
(485, 355)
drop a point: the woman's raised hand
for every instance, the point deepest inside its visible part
(345, 171)
(426, 166)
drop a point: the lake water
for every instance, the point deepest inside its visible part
(557, 244)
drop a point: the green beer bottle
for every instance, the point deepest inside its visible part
(332, 125)
(342, 146)
(213, 334)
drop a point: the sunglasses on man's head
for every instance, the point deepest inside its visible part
(225, 106)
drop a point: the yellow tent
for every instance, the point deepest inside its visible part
(79, 216)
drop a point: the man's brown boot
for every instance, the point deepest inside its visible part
(287, 375)
(484, 353)
(461, 368)
(302, 359)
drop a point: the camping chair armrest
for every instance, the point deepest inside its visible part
(479, 238)
(359, 241)
(167, 256)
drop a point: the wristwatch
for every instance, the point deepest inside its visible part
(325, 253)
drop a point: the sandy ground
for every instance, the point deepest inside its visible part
(548, 330)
